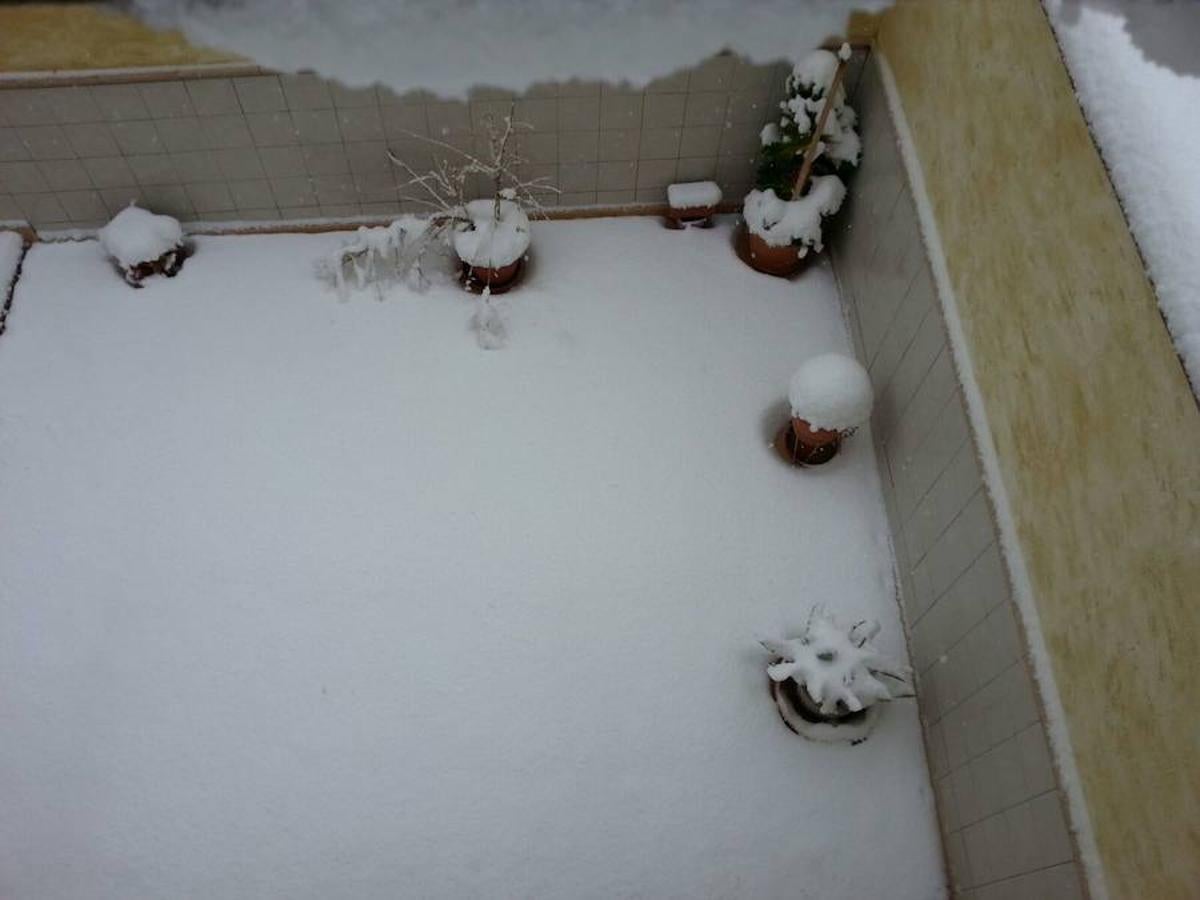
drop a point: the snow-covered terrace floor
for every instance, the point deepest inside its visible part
(312, 599)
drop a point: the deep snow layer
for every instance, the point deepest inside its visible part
(450, 47)
(305, 598)
(1144, 117)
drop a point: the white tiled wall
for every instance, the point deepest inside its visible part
(999, 802)
(281, 146)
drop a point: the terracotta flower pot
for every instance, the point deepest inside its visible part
(699, 216)
(799, 444)
(500, 279)
(168, 264)
(782, 262)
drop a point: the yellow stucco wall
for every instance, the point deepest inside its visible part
(1097, 431)
(40, 37)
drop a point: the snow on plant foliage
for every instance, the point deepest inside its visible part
(490, 232)
(450, 47)
(839, 668)
(771, 210)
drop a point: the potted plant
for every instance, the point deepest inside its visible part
(142, 244)
(489, 235)
(828, 683)
(804, 157)
(692, 203)
(830, 396)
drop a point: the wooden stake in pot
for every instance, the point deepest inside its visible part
(810, 152)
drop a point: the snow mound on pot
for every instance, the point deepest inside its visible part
(136, 235)
(689, 194)
(490, 242)
(831, 391)
(784, 222)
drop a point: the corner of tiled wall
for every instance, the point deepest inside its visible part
(265, 146)
(1000, 806)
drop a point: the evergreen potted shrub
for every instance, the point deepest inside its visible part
(830, 682)
(804, 158)
(830, 396)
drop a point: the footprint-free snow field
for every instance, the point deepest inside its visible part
(304, 598)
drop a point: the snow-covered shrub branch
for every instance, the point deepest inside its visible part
(399, 251)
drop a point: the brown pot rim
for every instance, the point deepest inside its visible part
(795, 452)
(500, 280)
(758, 255)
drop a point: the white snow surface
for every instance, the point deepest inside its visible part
(10, 258)
(136, 235)
(1145, 119)
(448, 48)
(493, 242)
(315, 599)
(831, 391)
(689, 194)
(783, 222)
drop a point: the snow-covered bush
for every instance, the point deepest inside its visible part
(780, 210)
(482, 231)
(784, 142)
(831, 392)
(830, 679)
(784, 223)
(143, 244)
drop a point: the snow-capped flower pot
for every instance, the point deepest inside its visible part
(692, 203)
(829, 683)
(830, 396)
(493, 244)
(142, 244)
(782, 236)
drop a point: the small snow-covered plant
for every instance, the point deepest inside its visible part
(790, 198)
(488, 232)
(837, 673)
(142, 243)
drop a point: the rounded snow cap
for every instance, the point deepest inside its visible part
(831, 391)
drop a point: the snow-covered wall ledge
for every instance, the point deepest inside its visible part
(1086, 427)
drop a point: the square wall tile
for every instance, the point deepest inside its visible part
(27, 107)
(316, 126)
(579, 113)
(108, 172)
(167, 99)
(83, 206)
(12, 148)
(153, 169)
(226, 132)
(65, 174)
(239, 163)
(271, 129)
(655, 173)
(659, 144)
(706, 109)
(137, 138)
(213, 96)
(700, 141)
(404, 120)
(620, 145)
(46, 142)
(210, 196)
(620, 111)
(260, 93)
(22, 178)
(306, 92)
(361, 123)
(119, 102)
(664, 110)
(281, 162)
(578, 146)
(182, 134)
